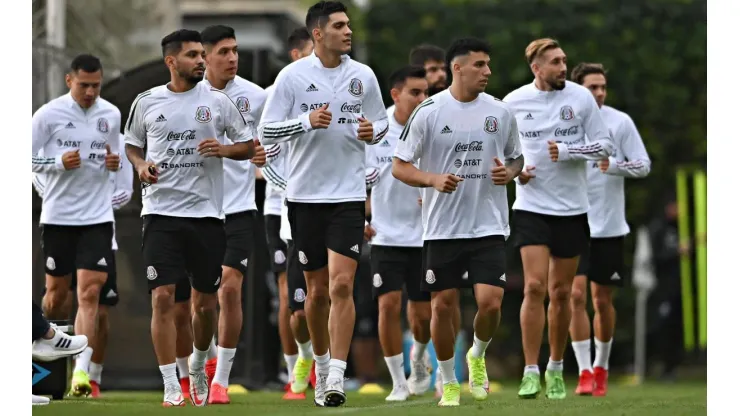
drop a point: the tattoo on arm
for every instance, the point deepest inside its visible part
(516, 165)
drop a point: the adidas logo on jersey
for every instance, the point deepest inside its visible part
(529, 117)
(312, 88)
(356, 248)
(102, 262)
(70, 125)
(503, 277)
(385, 144)
(446, 130)
(244, 262)
(160, 119)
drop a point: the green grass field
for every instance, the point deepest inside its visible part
(646, 400)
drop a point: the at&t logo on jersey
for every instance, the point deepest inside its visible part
(306, 107)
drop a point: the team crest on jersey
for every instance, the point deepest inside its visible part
(491, 125)
(103, 125)
(355, 87)
(566, 113)
(242, 104)
(203, 114)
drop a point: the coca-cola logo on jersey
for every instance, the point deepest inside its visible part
(352, 108)
(185, 135)
(566, 132)
(474, 146)
(97, 145)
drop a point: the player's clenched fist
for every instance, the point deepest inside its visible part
(500, 174)
(112, 160)
(526, 175)
(365, 131)
(446, 182)
(147, 172)
(552, 148)
(260, 156)
(320, 118)
(71, 160)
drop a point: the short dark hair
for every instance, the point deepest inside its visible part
(578, 74)
(86, 63)
(319, 13)
(399, 76)
(172, 43)
(421, 54)
(216, 33)
(298, 38)
(464, 46)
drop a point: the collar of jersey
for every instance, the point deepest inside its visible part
(73, 104)
(315, 61)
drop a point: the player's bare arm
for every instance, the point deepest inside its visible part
(238, 151)
(409, 174)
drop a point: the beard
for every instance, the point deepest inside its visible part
(556, 84)
(190, 77)
(437, 88)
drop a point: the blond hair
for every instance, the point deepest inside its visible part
(538, 47)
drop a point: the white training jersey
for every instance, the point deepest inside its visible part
(274, 196)
(171, 125)
(275, 173)
(285, 233)
(326, 165)
(606, 215)
(449, 136)
(123, 185)
(240, 175)
(78, 196)
(571, 118)
(396, 214)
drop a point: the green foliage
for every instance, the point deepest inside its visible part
(655, 51)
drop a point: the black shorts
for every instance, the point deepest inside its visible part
(175, 248)
(76, 247)
(394, 268)
(603, 261)
(239, 240)
(182, 290)
(338, 227)
(566, 236)
(446, 261)
(276, 245)
(296, 282)
(109, 290)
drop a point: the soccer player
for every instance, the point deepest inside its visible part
(182, 125)
(603, 262)
(560, 127)
(467, 146)
(311, 106)
(75, 144)
(300, 46)
(396, 244)
(123, 182)
(432, 58)
(240, 207)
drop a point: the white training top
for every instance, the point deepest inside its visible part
(274, 196)
(449, 136)
(396, 214)
(566, 117)
(327, 165)
(123, 185)
(240, 175)
(170, 125)
(276, 176)
(607, 217)
(78, 196)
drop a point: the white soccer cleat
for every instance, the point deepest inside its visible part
(173, 396)
(198, 386)
(399, 394)
(319, 393)
(39, 400)
(439, 390)
(334, 395)
(59, 346)
(421, 375)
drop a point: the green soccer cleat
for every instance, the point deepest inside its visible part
(555, 386)
(451, 395)
(478, 376)
(530, 387)
(80, 384)
(301, 373)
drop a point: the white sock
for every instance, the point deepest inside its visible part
(96, 372)
(555, 365)
(290, 363)
(223, 366)
(169, 374)
(582, 350)
(182, 367)
(322, 363)
(479, 347)
(448, 370)
(395, 367)
(531, 369)
(212, 349)
(305, 350)
(336, 370)
(197, 359)
(419, 349)
(83, 360)
(603, 349)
